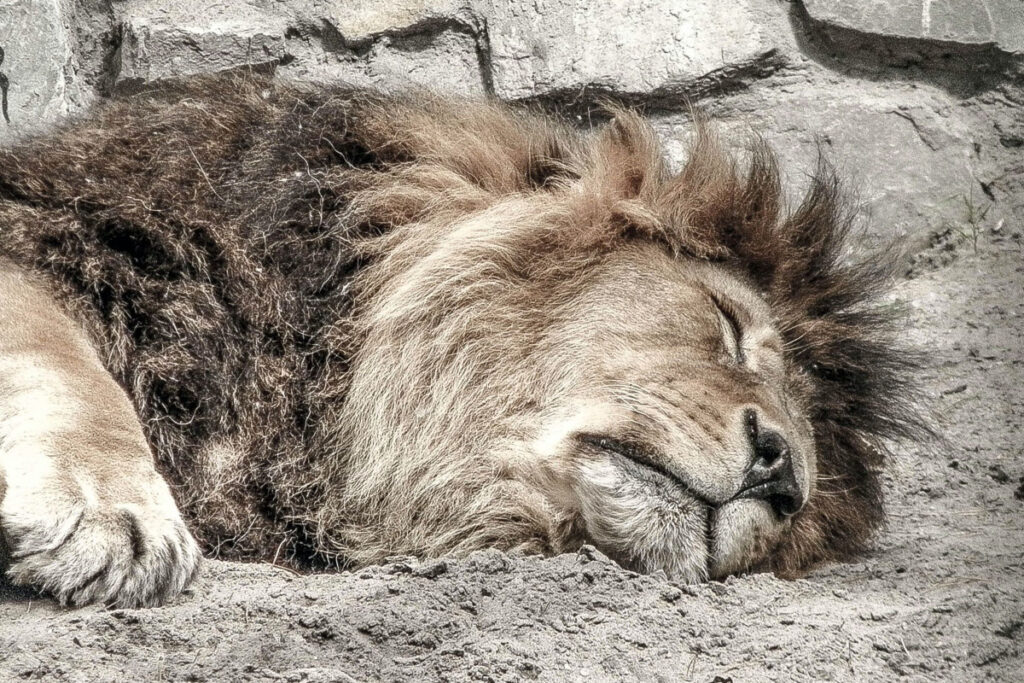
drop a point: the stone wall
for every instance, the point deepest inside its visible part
(918, 102)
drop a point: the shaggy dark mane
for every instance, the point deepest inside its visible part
(210, 234)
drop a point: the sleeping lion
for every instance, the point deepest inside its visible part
(320, 327)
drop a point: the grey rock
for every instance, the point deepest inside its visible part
(968, 22)
(905, 154)
(162, 39)
(362, 21)
(362, 43)
(43, 64)
(445, 62)
(433, 44)
(647, 46)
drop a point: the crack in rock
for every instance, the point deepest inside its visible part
(4, 85)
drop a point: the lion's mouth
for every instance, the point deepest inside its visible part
(635, 461)
(688, 521)
(666, 486)
(677, 492)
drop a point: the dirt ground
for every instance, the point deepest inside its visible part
(940, 597)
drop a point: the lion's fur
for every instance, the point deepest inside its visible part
(239, 248)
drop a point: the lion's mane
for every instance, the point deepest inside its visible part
(234, 244)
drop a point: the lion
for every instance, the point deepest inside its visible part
(320, 326)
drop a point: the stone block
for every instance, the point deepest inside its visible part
(40, 65)
(362, 43)
(443, 62)
(622, 46)
(906, 159)
(973, 23)
(361, 21)
(161, 39)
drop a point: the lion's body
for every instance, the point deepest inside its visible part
(333, 311)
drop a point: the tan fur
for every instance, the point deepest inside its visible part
(84, 513)
(357, 325)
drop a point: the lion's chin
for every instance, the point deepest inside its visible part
(697, 546)
(680, 551)
(646, 530)
(743, 534)
(644, 526)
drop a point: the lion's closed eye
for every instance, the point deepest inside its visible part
(732, 331)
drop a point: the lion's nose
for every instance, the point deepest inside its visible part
(770, 475)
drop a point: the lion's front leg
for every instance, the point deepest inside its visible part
(83, 513)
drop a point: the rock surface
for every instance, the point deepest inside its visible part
(46, 63)
(917, 102)
(644, 47)
(967, 22)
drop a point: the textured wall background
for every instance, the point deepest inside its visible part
(920, 103)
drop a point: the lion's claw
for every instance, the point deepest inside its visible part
(125, 555)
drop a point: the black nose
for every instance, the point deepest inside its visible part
(770, 476)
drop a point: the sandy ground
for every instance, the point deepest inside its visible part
(940, 597)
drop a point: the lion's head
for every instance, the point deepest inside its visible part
(559, 341)
(679, 435)
(411, 325)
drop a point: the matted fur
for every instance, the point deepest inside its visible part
(237, 246)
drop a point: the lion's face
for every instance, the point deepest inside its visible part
(571, 344)
(681, 441)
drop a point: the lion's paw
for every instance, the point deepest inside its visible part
(83, 551)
